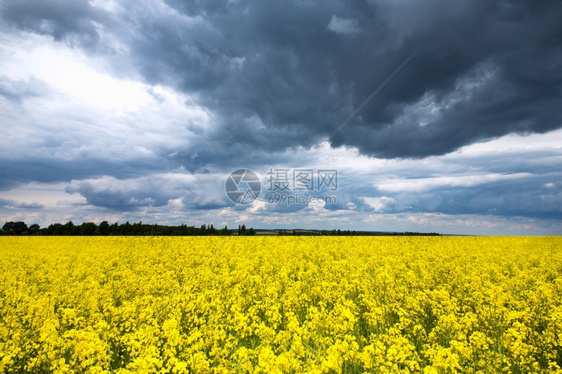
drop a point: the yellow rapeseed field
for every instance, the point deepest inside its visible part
(280, 305)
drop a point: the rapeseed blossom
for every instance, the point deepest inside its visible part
(280, 305)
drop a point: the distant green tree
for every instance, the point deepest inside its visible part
(15, 228)
(125, 229)
(104, 228)
(89, 228)
(54, 229)
(34, 229)
(137, 228)
(69, 228)
(114, 229)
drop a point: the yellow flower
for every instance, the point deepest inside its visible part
(280, 304)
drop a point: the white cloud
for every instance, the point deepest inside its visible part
(83, 111)
(424, 184)
(380, 203)
(345, 26)
(70, 73)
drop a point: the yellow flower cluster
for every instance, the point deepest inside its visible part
(280, 305)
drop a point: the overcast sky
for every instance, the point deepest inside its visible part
(439, 116)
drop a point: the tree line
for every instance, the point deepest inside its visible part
(142, 229)
(105, 228)
(370, 233)
(339, 232)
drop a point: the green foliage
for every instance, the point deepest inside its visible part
(104, 228)
(14, 228)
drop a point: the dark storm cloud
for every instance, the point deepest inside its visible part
(281, 74)
(18, 172)
(204, 192)
(69, 21)
(286, 74)
(118, 195)
(521, 194)
(529, 197)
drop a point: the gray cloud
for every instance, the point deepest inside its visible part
(276, 75)
(12, 204)
(17, 172)
(72, 22)
(528, 197)
(343, 26)
(17, 91)
(157, 190)
(281, 77)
